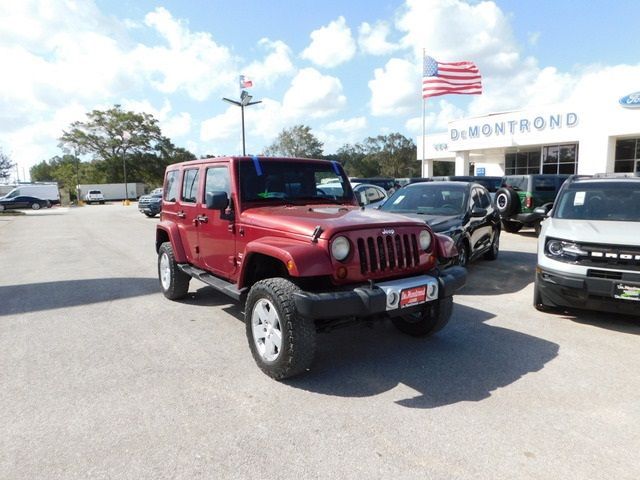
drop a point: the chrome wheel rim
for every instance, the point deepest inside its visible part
(501, 201)
(266, 329)
(165, 271)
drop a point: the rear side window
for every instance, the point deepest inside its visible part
(190, 185)
(544, 184)
(217, 180)
(171, 186)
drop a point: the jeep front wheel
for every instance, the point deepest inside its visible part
(282, 342)
(427, 321)
(173, 281)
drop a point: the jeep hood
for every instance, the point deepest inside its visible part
(594, 231)
(302, 220)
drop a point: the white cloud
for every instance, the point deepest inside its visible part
(192, 62)
(395, 89)
(373, 39)
(532, 38)
(313, 95)
(331, 45)
(275, 65)
(172, 125)
(339, 132)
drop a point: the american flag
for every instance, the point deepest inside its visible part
(440, 78)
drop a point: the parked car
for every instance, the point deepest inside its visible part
(491, 183)
(369, 195)
(23, 201)
(384, 182)
(94, 196)
(460, 210)
(256, 229)
(151, 205)
(519, 196)
(589, 247)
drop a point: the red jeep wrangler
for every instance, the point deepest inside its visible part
(303, 259)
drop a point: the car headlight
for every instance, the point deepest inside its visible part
(340, 248)
(425, 240)
(563, 250)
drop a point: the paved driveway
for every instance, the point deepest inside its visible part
(101, 377)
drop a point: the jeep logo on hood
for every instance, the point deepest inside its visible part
(388, 231)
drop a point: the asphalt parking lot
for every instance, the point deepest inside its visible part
(102, 377)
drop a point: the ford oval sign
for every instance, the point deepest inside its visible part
(631, 101)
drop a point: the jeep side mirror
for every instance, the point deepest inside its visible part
(216, 200)
(478, 212)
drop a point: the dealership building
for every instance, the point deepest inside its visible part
(602, 136)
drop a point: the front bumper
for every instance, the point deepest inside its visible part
(578, 291)
(149, 209)
(383, 297)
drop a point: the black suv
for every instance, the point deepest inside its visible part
(521, 194)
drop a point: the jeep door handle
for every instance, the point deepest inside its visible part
(202, 218)
(181, 214)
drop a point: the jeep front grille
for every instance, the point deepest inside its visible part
(388, 252)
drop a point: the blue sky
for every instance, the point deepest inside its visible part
(347, 69)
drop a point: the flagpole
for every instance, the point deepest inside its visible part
(424, 103)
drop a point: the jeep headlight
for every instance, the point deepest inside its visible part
(425, 240)
(340, 248)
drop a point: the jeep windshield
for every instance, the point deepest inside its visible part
(600, 200)
(433, 198)
(292, 181)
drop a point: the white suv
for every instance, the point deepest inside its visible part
(589, 246)
(94, 196)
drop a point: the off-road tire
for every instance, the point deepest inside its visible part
(298, 334)
(507, 202)
(428, 321)
(493, 251)
(511, 227)
(176, 283)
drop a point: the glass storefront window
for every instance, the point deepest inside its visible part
(627, 155)
(559, 158)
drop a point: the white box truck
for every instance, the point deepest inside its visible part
(45, 191)
(114, 191)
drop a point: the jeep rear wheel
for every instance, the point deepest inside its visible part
(282, 342)
(173, 281)
(428, 321)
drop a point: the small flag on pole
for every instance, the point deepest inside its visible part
(245, 82)
(440, 78)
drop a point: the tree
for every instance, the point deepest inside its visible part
(298, 141)
(5, 166)
(391, 155)
(395, 154)
(115, 135)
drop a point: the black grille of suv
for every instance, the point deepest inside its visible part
(610, 256)
(388, 252)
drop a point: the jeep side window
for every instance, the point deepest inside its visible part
(217, 180)
(190, 186)
(171, 187)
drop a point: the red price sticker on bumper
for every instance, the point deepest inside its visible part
(413, 296)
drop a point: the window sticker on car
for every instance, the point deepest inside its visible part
(578, 200)
(398, 200)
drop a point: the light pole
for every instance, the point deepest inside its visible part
(78, 200)
(126, 136)
(245, 101)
